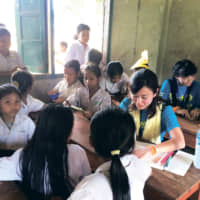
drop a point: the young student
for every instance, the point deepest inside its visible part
(92, 98)
(23, 80)
(123, 177)
(47, 167)
(182, 90)
(140, 64)
(152, 118)
(79, 49)
(60, 57)
(9, 60)
(115, 82)
(67, 87)
(15, 129)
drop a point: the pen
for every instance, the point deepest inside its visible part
(164, 160)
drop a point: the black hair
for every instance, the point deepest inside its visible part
(74, 64)
(63, 43)
(146, 78)
(114, 68)
(44, 161)
(184, 68)
(82, 27)
(114, 129)
(94, 69)
(7, 89)
(23, 79)
(94, 56)
(4, 32)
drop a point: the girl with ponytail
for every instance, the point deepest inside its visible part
(123, 177)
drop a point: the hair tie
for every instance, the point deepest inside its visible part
(16, 84)
(115, 152)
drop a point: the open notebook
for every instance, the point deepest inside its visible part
(178, 164)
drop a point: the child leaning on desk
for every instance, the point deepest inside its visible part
(47, 167)
(91, 98)
(112, 133)
(153, 119)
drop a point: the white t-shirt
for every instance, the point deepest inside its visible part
(114, 88)
(78, 165)
(32, 105)
(65, 90)
(100, 100)
(97, 185)
(11, 61)
(20, 133)
(77, 51)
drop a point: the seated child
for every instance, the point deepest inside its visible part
(15, 129)
(23, 80)
(46, 166)
(92, 98)
(182, 90)
(78, 49)
(9, 60)
(115, 82)
(124, 176)
(67, 87)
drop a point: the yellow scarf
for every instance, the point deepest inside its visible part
(152, 127)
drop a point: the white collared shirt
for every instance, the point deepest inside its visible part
(19, 134)
(65, 90)
(114, 88)
(32, 105)
(11, 61)
(78, 165)
(100, 100)
(77, 51)
(97, 186)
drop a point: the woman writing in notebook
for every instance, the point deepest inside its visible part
(153, 119)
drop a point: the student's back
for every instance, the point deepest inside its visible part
(122, 178)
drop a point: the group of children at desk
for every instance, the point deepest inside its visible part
(46, 167)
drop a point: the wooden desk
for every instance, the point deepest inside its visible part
(162, 185)
(189, 129)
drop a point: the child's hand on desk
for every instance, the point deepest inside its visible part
(115, 102)
(194, 114)
(183, 112)
(88, 114)
(52, 92)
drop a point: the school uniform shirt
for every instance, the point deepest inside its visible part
(124, 105)
(18, 135)
(11, 61)
(32, 105)
(78, 165)
(97, 186)
(194, 96)
(77, 51)
(65, 90)
(114, 88)
(100, 100)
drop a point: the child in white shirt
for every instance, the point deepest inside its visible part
(47, 167)
(113, 137)
(10, 61)
(23, 80)
(79, 49)
(92, 98)
(15, 129)
(66, 88)
(115, 82)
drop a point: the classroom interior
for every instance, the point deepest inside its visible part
(168, 29)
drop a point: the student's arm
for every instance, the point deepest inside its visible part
(9, 167)
(170, 124)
